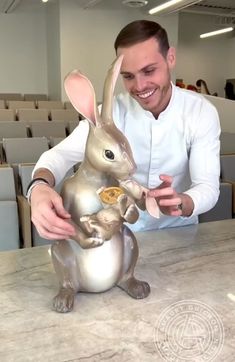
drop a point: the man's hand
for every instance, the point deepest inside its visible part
(49, 215)
(169, 200)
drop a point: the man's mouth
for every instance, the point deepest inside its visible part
(145, 95)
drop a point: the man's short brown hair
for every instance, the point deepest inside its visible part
(141, 30)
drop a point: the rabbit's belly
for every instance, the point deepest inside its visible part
(100, 268)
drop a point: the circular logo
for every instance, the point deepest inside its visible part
(189, 330)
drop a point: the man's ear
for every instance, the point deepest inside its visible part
(171, 57)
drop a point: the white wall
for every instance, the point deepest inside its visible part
(87, 38)
(211, 59)
(23, 61)
(38, 48)
(53, 51)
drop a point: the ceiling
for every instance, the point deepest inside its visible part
(215, 7)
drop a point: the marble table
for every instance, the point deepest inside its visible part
(191, 271)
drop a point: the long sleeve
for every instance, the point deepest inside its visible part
(67, 153)
(204, 164)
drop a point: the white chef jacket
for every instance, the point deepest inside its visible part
(183, 143)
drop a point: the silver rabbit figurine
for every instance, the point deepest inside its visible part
(104, 251)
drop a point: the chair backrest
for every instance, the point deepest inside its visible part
(32, 115)
(2, 104)
(12, 129)
(7, 184)
(18, 150)
(64, 115)
(72, 125)
(11, 96)
(50, 104)
(68, 105)
(223, 208)
(7, 115)
(47, 129)
(227, 143)
(35, 97)
(227, 163)
(21, 104)
(9, 220)
(25, 175)
(53, 141)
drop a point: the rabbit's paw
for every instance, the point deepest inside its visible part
(131, 215)
(137, 289)
(64, 300)
(128, 210)
(93, 242)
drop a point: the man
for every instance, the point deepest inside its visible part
(173, 133)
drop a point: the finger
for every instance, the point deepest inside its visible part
(159, 192)
(51, 221)
(166, 178)
(177, 212)
(59, 208)
(44, 233)
(170, 202)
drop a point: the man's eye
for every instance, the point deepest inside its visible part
(127, 76)
(149, 71)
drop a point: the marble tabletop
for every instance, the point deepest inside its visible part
(189, 315)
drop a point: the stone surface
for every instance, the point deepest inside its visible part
(181, 264)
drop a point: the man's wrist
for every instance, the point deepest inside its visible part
(186, 206)
(33, 183)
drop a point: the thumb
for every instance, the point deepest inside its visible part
(59, 208)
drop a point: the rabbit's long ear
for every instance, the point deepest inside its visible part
(82, 95)
(109, 85)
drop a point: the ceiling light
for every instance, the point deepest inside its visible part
(216, 32)
(163, 6)
(44, 1)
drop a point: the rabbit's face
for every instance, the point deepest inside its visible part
(108, 151)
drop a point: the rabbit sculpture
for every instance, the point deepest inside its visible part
(104, 252)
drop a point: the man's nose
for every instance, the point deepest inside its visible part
(140, 84)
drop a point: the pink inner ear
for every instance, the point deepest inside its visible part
(81, 94)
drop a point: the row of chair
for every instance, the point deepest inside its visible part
(15, 214)
(33, 104)
(17, 231)
(22, 129)
(26, 96)
(28, 115)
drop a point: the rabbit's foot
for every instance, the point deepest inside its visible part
(137, 289)
(64, 300)
(127, 208)
(92, 242)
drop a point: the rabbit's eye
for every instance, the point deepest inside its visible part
(109, 154)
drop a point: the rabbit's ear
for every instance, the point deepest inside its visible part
(110, 81)
(82, 95)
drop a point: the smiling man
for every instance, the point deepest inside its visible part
(173, 133)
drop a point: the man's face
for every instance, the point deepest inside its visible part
(146, 74)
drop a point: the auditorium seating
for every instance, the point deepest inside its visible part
(227, 163)
(30, 115)
(21, 104)
(7, 115)
(47, 129)
(9, 223)
(19, 150)
(35, 97)
(223, 208)
(11, 96)
(65, 115)
(50, 105)
(2, 104)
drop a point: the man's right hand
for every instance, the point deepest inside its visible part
(49, 215)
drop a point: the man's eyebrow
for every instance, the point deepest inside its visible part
(142, 69)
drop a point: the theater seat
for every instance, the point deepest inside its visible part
(9, 224)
